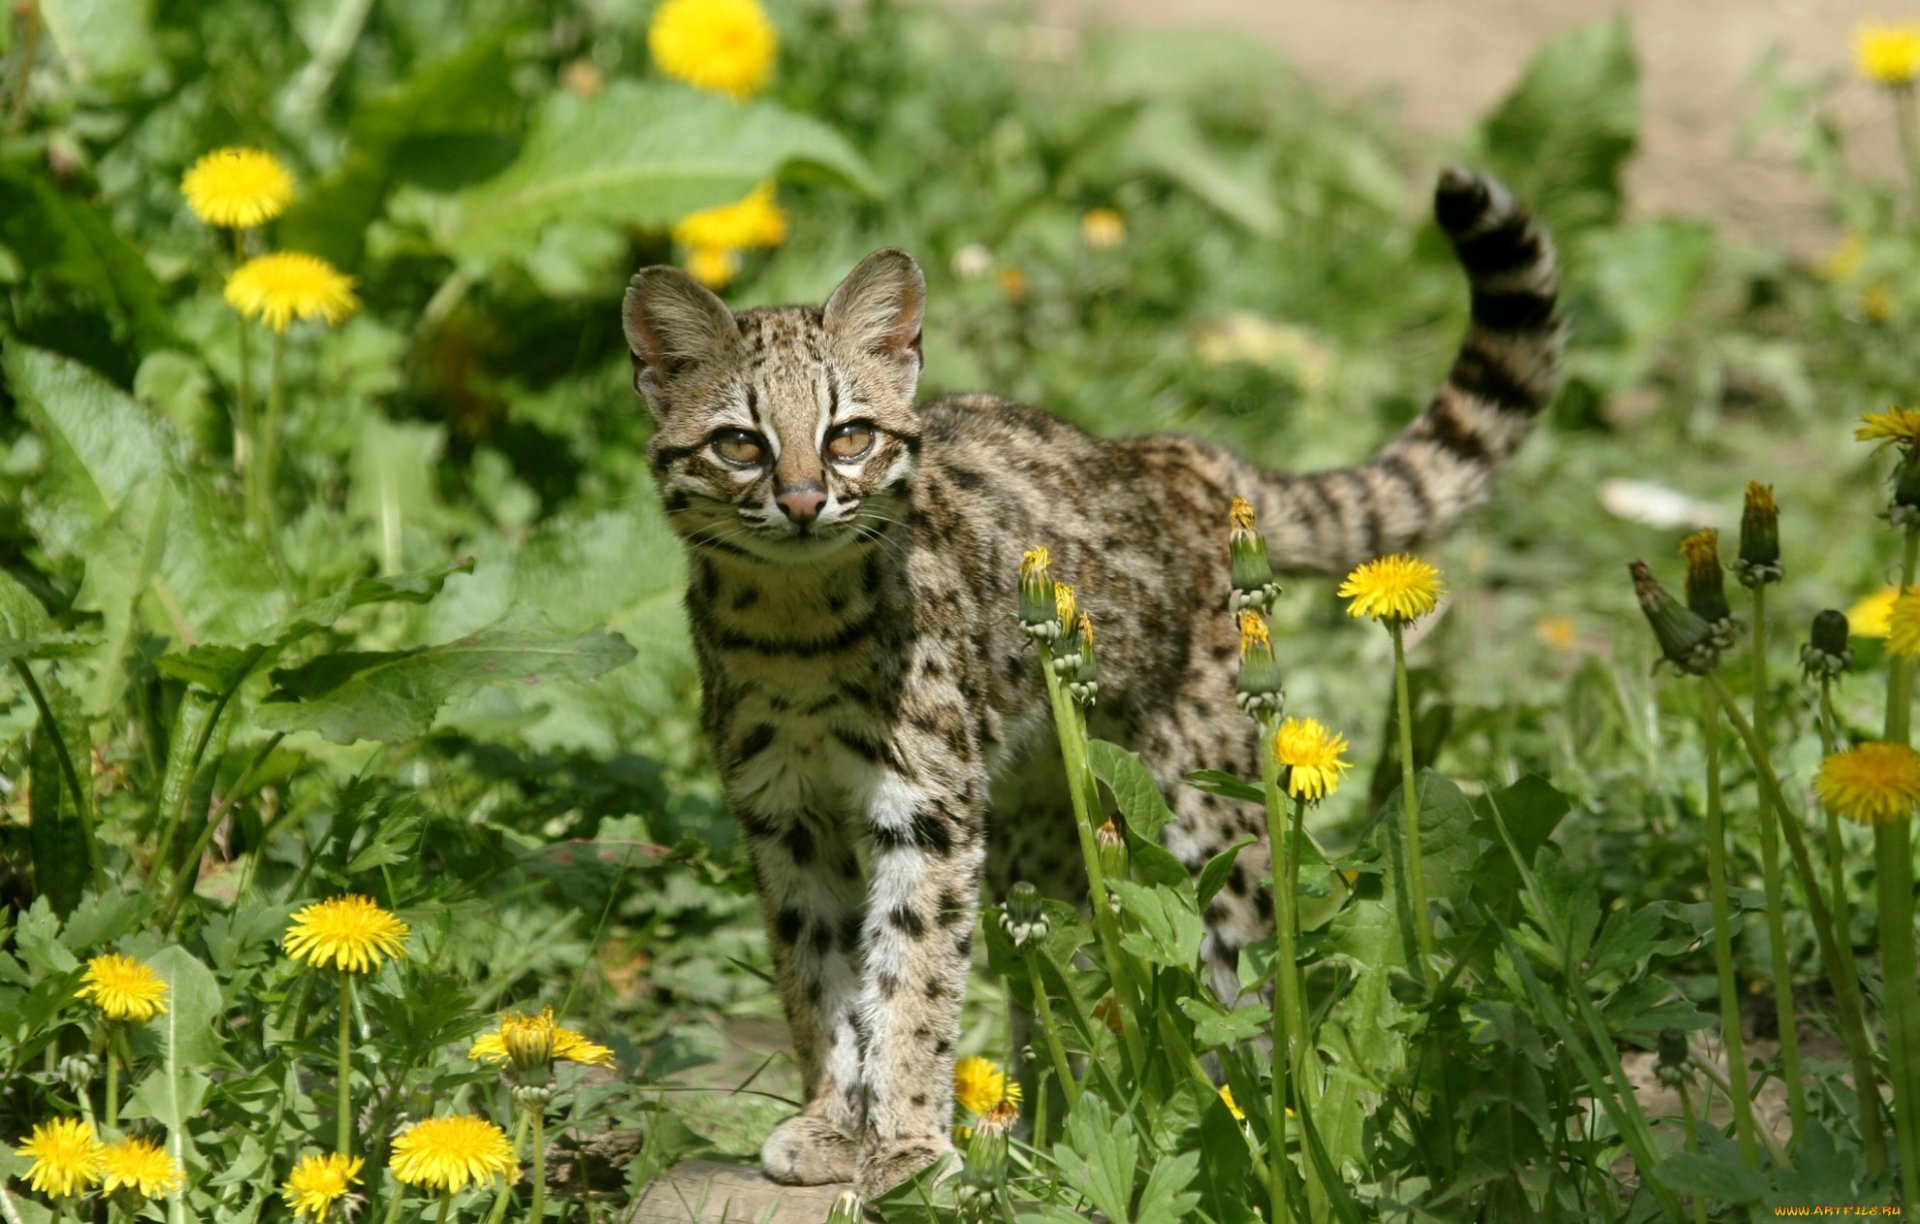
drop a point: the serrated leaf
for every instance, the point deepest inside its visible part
(394, 695)
(1133, 787)
(1716, 1180)
(1099, 1157)
(1215, 1026)
(640, 153)
(218, 668)
(1169, 928)
(1165, 1199)
(27, 632)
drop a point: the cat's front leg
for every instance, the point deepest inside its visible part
(809, 883)
(926, 815)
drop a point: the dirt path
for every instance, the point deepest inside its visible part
(1449, 60)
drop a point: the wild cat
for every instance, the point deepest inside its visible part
(853, 562)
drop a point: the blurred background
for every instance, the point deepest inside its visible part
(1209, 217)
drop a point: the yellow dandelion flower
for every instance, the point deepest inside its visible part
(1903, 624)
(527, 1040)
(1253, 632)
(349, 932)
(1894, 427)
(755, 221)
(1871, 783)
(1226, 1094)
(1311, 754)
(1397, 588)
(1559, 632)
(141, 1165)
(1102, 229)
(1877, 303)
(448, 1154)
(724, 45)
(287, 285)
(1240, 515)
(1844, 260)
(318, 1182)
(1064, 605)
(714, 267)
(1886, 54)
(237, 187)
(124, 988)
(67, 1157)
(978, 1085)
(1868, 617)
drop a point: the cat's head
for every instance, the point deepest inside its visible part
(784, 434)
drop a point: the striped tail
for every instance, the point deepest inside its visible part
(1443, 464)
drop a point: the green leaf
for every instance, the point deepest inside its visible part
(27, 632)
(1164, 141)
(393, 695)
(1133, 787)
(1166, 1199)
(640, 153)
(448, 118)
(1214, 1026)
(1099, 1157)
(190, 1046)
(1561, 139)
(123, 555)
(97, 299)
(1716, 1180)
(1169, 927)
(1215, 782)
(54, 834)
(103, 41)
(1213, 877)
(219, 668)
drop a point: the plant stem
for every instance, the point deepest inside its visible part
(1084, 791)
(538, 1211)
(1693, 1145)
(1903, 101)
(343, 1132)
(113, 1080)
(244, 440)
(82, 805)
(189, 871)
(1284, 1005)
(1043, 1008)
(446, 1205)
(1783, 1008)
(1853, 1027)
(269, 443)
(505, 1192)
(1730, 1031)
(1410, 806)
(393, 1205)
(1893, 872)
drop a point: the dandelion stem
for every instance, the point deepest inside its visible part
(343, 1129)
(1903, 102)
(113, 1080)
(393, 1206)
(243, 431)
(1893, 884)
(1776, 916)
(538, 1211)
(1043, 1007)
(1410, 806)
(1693, 1145)
(446, 1205)
(1284, 1004)
(1853, 1027)
(1730, 1032)
(1084, 791)
(505, 1192)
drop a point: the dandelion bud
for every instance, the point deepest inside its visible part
(76, 1071)
(1826, 652)
(1252, 574)
(1259, 692)
(1686, 641)
(1905, 506)
(1670, 1064)
(1706, 585)
(1759, 562)
(847, 1209)
(1037, 613)
(1111, 844)
(532, 1097)
(987, 1150)
(1066, 647)
(1024, 918)
(529, 1043)
(1083, 684)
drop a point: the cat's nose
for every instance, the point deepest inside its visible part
(801, 504)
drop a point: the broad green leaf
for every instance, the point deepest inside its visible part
(123, 555)
(1215, 782)
(1165, 1199)
(1133, 787)
(640, 153)
(1716, 1180)
(104, 917)
(1169, 927)
(27, 632)
(1164, 141)
(394, 695)
(190, 1046)
(446, 124)
(1562, 137)
(103, 41)
(1213, 877)
(1099, 1157)
(110, 309)
(219, 668)
(54, 835)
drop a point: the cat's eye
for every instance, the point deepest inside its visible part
(850, 441)
(738, 447)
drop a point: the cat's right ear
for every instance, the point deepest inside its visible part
(672, 321)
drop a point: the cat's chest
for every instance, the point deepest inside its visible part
(799, 685)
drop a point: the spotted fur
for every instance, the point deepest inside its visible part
(853, 558)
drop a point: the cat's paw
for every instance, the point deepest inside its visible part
(808, 1151)
(885, 1165)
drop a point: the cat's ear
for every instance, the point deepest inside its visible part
(879, 306)
(672, 321)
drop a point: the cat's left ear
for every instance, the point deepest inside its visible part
(879, 306)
